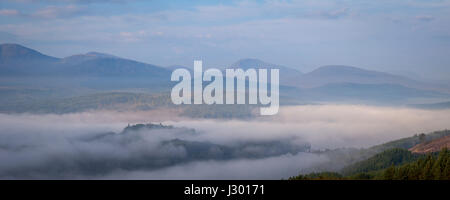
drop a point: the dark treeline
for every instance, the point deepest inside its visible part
(428, 168)
(393, 164)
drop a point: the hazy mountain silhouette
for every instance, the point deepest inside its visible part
(341, 74)
(18, 53)
(79, 58)
(19, 60)
(101, 65)
(104, 71)
(286, 73)
(174, 67)
(373, 93)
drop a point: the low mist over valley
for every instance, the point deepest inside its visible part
(108, 144)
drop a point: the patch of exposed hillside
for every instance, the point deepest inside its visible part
(432, 146)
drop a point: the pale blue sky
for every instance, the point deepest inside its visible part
(403, 36)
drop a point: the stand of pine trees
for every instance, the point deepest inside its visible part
(428, 167)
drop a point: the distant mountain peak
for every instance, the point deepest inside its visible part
(14, 52)
(250, 60)
(174, 67)
(343, 73)
(12, 45)
(93, 54)
(344, 70)
(98, 54)
(246, 63)
(287, 75)
(79, 58)
(340, 68)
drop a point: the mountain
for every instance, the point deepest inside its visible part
(79, 58)
(339, 76)
(383, 92)
(174, 67)
(17, 60)
(345, 83)
(103, 71)
(247, 63)
(340, 73)
(101, 66)
(10, 53)
(432, 146)
(286, 74)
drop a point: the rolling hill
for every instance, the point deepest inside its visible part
(336, 74)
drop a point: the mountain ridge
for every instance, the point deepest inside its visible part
(94, 64)
(11, 51)
(105, 65)
(16, 50)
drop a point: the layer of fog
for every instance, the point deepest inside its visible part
(328, 126)
(276, 167)
(31, 144)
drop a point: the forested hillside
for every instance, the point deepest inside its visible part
(392, 164)
(396, 161)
